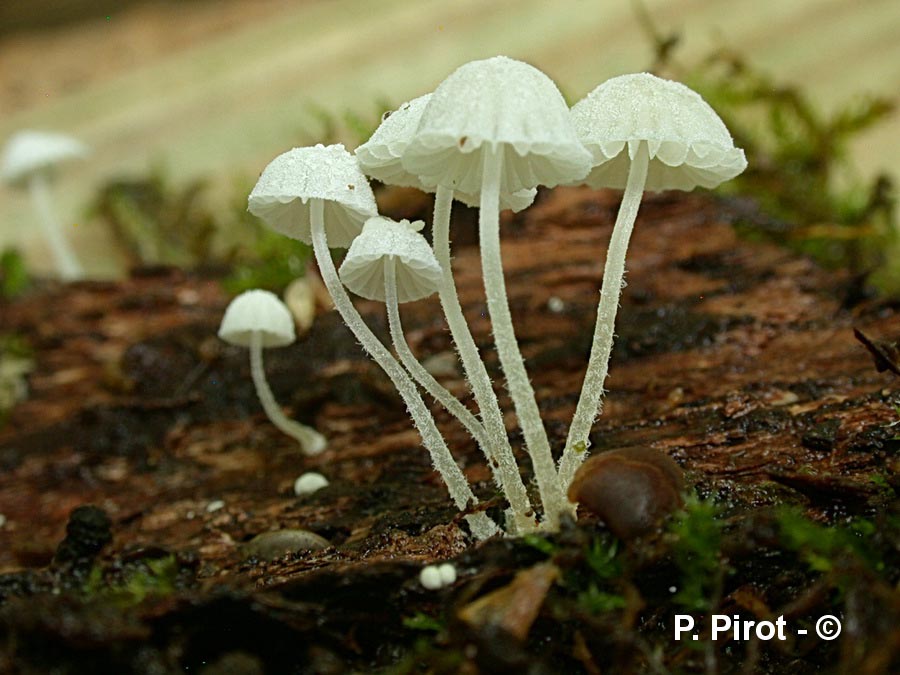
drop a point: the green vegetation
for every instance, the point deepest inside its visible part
(606, 566)
(151, 577)
(822, 548)
(16, 361)
(799, 170)
(422, 622)
(697, 532)
(155, 222)
(14, 279)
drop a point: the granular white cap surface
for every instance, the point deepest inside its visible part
(688, 142)
(496, 103)
(281, 196)
(257, 311)
(381, 156)
(363, 270)
(29, 151)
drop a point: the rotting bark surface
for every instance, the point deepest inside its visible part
(737, 359)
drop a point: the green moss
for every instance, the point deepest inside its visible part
(16, 361)
(799, 167)
(696, 548)
(539, 543)
(153, 577)
(156, 222)
(14, 278)
(422, 622)
(604, 574)
(823, 548)
(272, 263)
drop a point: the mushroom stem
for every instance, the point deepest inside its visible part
(66, 261)
(520, 389)
(310, 440)
(416, 369)
(498, 451)
(482, 526)
(590, 402)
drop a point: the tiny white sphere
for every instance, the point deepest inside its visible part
(430, 577)
(309, 483)
(555, 304)
(448, 574)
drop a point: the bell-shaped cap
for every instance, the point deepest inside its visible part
(381, 157)
(363, 270)
(28, 152)
(281, 196)
(688, 142)
(498, 104)
(257, 311)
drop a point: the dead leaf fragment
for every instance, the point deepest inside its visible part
(514, 607)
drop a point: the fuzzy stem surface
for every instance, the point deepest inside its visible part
(425, 379)
(309, 439)
(498, 450)
(520, 388)
(460, 492)
(590, 402)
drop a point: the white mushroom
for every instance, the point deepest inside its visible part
(308, 483)
(28, 160)
(495, 126)
(644, 133)
(318, 195)
(434, 577)
(381, 157)
(391, 262)
(258, 320)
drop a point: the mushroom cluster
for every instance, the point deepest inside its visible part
(488, 136)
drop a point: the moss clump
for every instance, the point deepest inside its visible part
(696, 549)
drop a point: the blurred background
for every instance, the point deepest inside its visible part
(184, 102)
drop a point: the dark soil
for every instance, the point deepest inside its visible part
(141, 464)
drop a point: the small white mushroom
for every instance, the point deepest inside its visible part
(319, 195)
(382, 157)
(644, 133)
(434, 577)
(308, 483)
(257, 320)
(28, 160)
(392, 262)
(496, 126)
(430, 577)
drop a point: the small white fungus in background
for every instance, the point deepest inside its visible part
(555, 304)
(2, 520)
(434, 577)
(215, 505)
(308, 483)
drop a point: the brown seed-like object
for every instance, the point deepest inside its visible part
(631, 489)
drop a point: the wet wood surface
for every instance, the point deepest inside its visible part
(737, 359)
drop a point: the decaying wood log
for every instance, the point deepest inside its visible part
(737, 359)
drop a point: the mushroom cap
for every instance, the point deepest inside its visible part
(363, 270)
(27, 152)
(281, 196)
(502, 104)
(688, 142)
(257, 311)
(381, 156)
